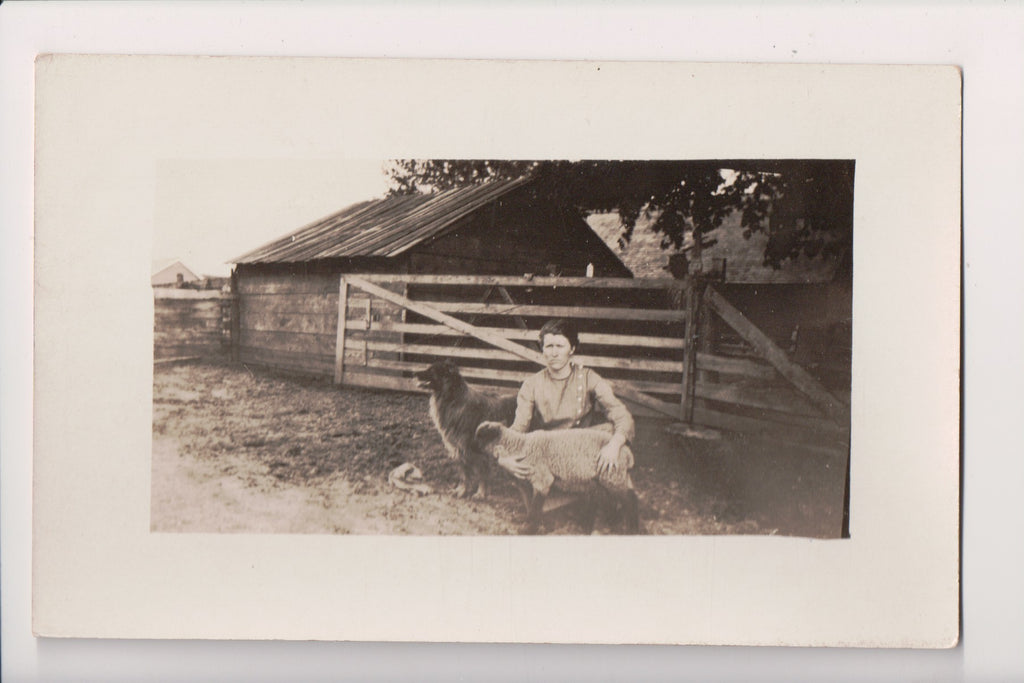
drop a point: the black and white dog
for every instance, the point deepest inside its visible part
(457, 410)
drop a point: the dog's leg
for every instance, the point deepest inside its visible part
(458, 455)
(466, 486)
(482, 472)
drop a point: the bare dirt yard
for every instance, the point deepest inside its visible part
(239, 449)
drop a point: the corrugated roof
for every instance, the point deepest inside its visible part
(382, 227)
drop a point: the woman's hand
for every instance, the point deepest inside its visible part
(516, 466)
(608, 458)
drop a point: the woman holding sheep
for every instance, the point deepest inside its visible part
(566, 395)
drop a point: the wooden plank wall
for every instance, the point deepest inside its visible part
(288, 322)
(188, 327)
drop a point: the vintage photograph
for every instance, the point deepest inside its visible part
(501, 347)
(495, 351)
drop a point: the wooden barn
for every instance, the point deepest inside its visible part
(288, 290)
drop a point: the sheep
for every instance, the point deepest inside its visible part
(565, 459)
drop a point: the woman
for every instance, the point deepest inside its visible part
(565, 395)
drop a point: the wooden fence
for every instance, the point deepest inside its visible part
(287, 322)
(190, 324)
(649, 337)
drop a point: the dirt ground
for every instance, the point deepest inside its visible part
(239, 449)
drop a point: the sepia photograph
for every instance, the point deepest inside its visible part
(494, 347)
(473, 351)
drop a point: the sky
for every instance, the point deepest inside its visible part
(209, 212)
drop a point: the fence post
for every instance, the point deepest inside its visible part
(691, 301)
(705, 336)
(236, 322)
(226, 304)
(339, 347)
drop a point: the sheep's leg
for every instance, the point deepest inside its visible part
(533, 516)
(607, 501)
(632, 512)
(541, 481)
(541, 484)
(612, 508)
(589, 510)
(525, 492)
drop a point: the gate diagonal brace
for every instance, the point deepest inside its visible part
(768, 350)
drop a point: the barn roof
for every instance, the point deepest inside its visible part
(381, 227)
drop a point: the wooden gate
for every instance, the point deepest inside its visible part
(774, 397)
(649, 337)
(393, 325)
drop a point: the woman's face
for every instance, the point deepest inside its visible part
(557, 351)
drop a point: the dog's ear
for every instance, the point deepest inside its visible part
(488, 432)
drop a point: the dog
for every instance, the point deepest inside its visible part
(457, 409)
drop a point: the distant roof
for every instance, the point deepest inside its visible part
(166, 270)
(382, 227)
(744, 257)
(161, 263)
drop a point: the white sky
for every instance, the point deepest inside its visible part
(209, 212)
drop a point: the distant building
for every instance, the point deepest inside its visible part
(171, 273)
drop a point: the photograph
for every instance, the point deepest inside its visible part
(471, 351)
(495, 347)
(572, 342)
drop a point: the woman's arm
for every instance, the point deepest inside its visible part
(524, 407)
(621, 419)
(524, 415)
(614, 409)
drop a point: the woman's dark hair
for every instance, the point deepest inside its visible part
(563, 327)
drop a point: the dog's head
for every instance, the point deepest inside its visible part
(440, 377)
(489, 437)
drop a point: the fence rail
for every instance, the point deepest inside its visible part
(188, 324)
(649, 337)
(642, 336)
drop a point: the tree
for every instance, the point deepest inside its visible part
(805, 207)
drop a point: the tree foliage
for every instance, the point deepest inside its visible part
(805, 207)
